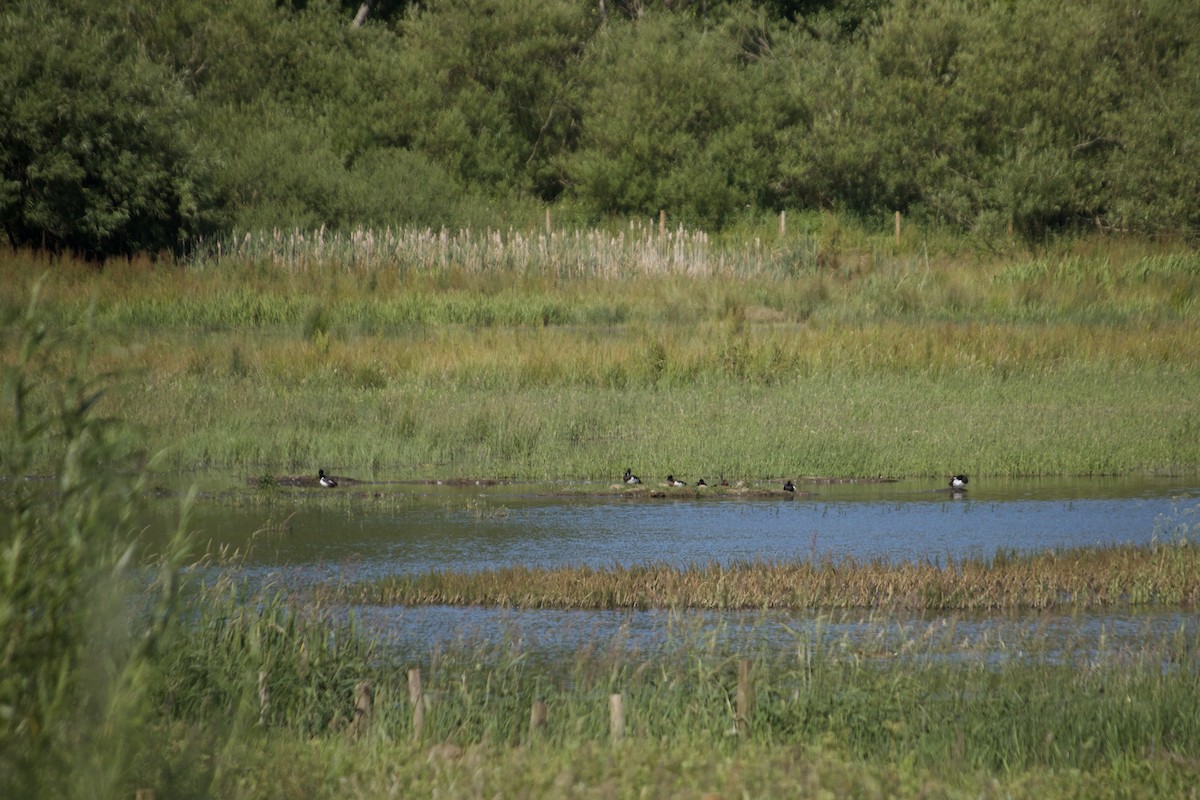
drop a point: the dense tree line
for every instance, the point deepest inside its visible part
(132, 125)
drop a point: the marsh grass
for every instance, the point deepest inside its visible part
(381, 281)
(257, 699)
(927, 708)
(1084, 578)
(363, 416)
(259, 655)
(944, 703)
(567, 354)
(117, 682)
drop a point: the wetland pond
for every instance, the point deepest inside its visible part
(372, 529)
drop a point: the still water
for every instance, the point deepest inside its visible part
(371, 530)
(374, 530)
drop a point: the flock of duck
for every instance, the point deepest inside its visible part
(958, 483)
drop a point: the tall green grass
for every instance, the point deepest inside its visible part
(261, 656)
(365, 419)
(934, 705)
(77, 673)
(928, 709)
(824, 351)
(384, 281)
(929, 713)
(1018, 709)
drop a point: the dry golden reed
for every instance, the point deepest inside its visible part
(1085, 578)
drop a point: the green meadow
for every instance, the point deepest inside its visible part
(828, 351)
(565, 357)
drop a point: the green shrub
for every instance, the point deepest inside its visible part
(95, 152)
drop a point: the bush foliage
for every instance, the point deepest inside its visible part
(130, 127)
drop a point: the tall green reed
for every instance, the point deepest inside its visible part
(475, 422)
(492, 279)
(928, 699)
(110, 645)
(77, 664)
(257, 657)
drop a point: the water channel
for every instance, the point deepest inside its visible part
(370, 529)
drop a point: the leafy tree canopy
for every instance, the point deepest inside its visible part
(95, 147)
(132, 125)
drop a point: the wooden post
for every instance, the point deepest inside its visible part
(264, 697)
(537, 718)
(143, 794)
(897, 227)
(616, 717)
(745, 696)
(782, 224)
(662, 222)
(549, 228)
(364, 702)
(417, 697)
